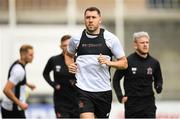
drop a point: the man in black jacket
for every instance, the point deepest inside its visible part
(65, 102)
(143, 70)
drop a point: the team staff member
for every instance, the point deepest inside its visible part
(13, 104)
(143, 70)
(65, 102)
(94, 47)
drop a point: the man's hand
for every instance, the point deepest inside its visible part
(72, 68)
(124, 99)
(158, 89)
(103, 60)
(31, 86)
(23, 106)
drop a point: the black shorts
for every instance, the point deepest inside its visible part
(97, 102)
(140, 107)
(66, 103)
(12, 114)
(66, 112)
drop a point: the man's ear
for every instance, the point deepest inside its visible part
(100, 21)
(135, 45)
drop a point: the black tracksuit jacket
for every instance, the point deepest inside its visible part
(66, 96)
(139, 77)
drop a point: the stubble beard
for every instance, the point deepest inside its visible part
(141, 52)
(91, 30)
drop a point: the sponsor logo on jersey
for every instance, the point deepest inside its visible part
(58, 68)
(134, 69)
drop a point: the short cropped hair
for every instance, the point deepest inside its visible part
(140, 34)
(93, 9)
(65, 37)
(24, 48)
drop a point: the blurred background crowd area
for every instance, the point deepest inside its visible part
(42, 23)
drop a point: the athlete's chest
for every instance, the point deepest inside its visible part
(141, 68)
(59, 66)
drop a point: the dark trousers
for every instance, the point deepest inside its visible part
(140, 107)
(12, 114)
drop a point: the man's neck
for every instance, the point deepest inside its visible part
(22, 62)
(93, 32)
(143, 55)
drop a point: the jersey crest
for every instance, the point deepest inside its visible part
(149, 71)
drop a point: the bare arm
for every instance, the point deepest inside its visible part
(119, 63)
(8, 91)
(31, 86)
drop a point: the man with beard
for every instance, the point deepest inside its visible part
(94, 47)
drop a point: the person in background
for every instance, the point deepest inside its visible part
(143, 71)
(14, 104)
(65, 94)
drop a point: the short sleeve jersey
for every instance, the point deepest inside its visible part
(91, 75)
(17, 76)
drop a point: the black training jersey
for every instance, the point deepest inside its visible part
(93, 46)
(139, 76)
(62, 77)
